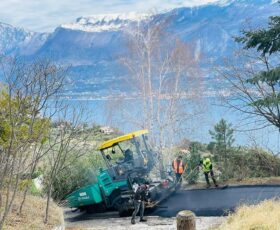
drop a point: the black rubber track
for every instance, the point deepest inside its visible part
(215, 202)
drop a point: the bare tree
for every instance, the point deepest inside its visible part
(37, 153)
(165, 80)
(26, 90)
(66, 144)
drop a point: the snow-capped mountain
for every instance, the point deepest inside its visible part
(105, 22)
(15, 40)
(93, 44)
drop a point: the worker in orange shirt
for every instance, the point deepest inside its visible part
(178, 168)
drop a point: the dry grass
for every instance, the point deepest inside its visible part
(263, 216)
(33, 215)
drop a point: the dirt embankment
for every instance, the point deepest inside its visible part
(32, 216)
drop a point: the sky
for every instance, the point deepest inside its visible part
(46, 15)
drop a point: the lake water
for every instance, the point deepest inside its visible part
(107, 112)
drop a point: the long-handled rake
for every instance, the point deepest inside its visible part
(190, 174)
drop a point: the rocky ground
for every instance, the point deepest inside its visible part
(153, 223)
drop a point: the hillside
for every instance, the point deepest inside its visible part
(33, 215)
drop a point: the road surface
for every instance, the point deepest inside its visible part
(215, 202)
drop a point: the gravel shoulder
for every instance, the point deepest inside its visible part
(154, 222)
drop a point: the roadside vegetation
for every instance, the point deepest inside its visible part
(236, 164)
(41, 137)
(265, 215)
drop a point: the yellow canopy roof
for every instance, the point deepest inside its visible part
(110, 143)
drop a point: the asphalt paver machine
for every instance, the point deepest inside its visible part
(129, 159)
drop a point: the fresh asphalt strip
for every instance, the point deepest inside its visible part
(203, 202)
(215, 202)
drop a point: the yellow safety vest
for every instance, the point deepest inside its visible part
(206, 165)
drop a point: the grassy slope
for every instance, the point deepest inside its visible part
(265, 215)
(33, 215)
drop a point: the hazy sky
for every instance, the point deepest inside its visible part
(45, 15)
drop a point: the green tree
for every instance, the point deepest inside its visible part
(223, 139)
(266, 41)
(255, 74)
(18, 122)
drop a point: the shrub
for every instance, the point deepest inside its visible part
(265, 215)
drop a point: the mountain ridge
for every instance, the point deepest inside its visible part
(19, 41)
(105, 22)
(93, 52)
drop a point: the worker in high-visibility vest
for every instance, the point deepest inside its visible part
(178, 168)
(207, 168)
